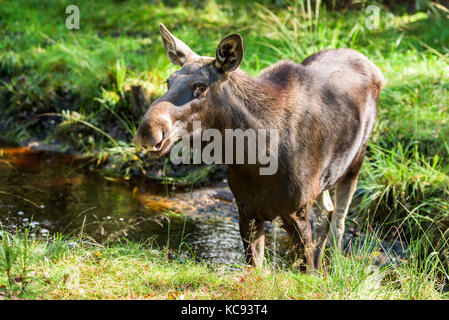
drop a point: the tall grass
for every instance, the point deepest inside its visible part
(77, 268)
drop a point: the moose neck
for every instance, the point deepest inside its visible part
(245, 103)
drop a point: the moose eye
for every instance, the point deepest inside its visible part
(199, 90)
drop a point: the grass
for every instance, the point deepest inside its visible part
(79, 268)
(85, 77)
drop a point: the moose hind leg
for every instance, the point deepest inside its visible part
(252, 232)
(323, 214)
(344, 190)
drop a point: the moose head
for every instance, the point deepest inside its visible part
(195, 92)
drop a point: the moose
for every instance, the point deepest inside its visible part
(324, 110)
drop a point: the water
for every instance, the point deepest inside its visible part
(56, 193)
(50, 193)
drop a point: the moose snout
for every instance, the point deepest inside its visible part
(154, 129)
(142, 144)
(148, 138)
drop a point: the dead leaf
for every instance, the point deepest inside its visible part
(97, 253)
(172, 295)
(376, 253)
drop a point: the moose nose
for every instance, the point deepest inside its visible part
(150, 146)
(154, 128)
(156, 147)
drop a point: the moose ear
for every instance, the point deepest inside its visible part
(229, 53)
(178, 52)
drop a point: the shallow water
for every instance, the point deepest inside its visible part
(55, 193)
(51, 193)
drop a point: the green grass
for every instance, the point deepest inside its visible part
(78, 268)
(85, 76)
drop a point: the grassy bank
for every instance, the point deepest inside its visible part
(61, 268)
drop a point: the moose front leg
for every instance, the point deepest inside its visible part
(298, 226)
(253, 236)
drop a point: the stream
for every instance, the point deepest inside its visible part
(51, 193)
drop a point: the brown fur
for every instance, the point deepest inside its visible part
(324, 110)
